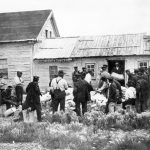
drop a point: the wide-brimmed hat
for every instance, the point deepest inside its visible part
(61, 72)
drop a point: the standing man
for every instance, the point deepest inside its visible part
(83, 73)
(112, 95)
(19, 87)
(33, 97)
(141, 93)
(82, 96)
(59, 85)
(118, 70)
(75, 74)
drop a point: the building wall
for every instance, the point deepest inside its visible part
(18, 57)
(42, 68)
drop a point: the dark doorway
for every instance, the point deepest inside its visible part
(111, 64)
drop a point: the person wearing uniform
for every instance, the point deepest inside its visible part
(59, 85)
(33, 97)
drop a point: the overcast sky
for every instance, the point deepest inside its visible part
(90, 17)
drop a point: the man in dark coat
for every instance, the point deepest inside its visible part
(33, 97)
(112, 96)
(75, 74)
(83, 73)
(81, 95)
(141, 93)
(117, 69)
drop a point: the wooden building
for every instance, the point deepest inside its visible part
(130, 50)
(20, 35)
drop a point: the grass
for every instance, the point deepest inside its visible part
(94, 131)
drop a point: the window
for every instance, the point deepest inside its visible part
(143, 64)
(53, 70)
(91, 66)
(3, 67)
(50, 34)
(46, 33)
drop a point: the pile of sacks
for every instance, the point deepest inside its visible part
(69, 104)
(98, 100)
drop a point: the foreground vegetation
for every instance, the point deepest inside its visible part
(94, 131)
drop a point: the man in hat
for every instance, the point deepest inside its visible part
(81, 95)
(33, 97)
(83, 73)
(74, 74)
(117, 69)
(59, 85)
(19, 87)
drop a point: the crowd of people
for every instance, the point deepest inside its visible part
(136, 94)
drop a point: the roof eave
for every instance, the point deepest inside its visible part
(19, 41)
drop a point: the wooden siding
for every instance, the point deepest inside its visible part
(42, 69)
(18, 58)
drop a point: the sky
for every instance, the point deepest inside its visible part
(90, 17)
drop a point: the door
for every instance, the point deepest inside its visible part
(111, 64)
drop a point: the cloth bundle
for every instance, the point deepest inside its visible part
(98, 98)
(117, 76)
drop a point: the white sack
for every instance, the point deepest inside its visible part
(117, 76)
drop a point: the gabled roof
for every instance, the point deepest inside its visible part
(56, 48)
(109, 45)
(22, 25)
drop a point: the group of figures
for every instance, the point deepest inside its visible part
(12, 95)
(137, 93)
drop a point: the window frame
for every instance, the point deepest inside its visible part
(46, 34)
(51, 76)
(4, 67)
(143, 61)
(86, 64)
